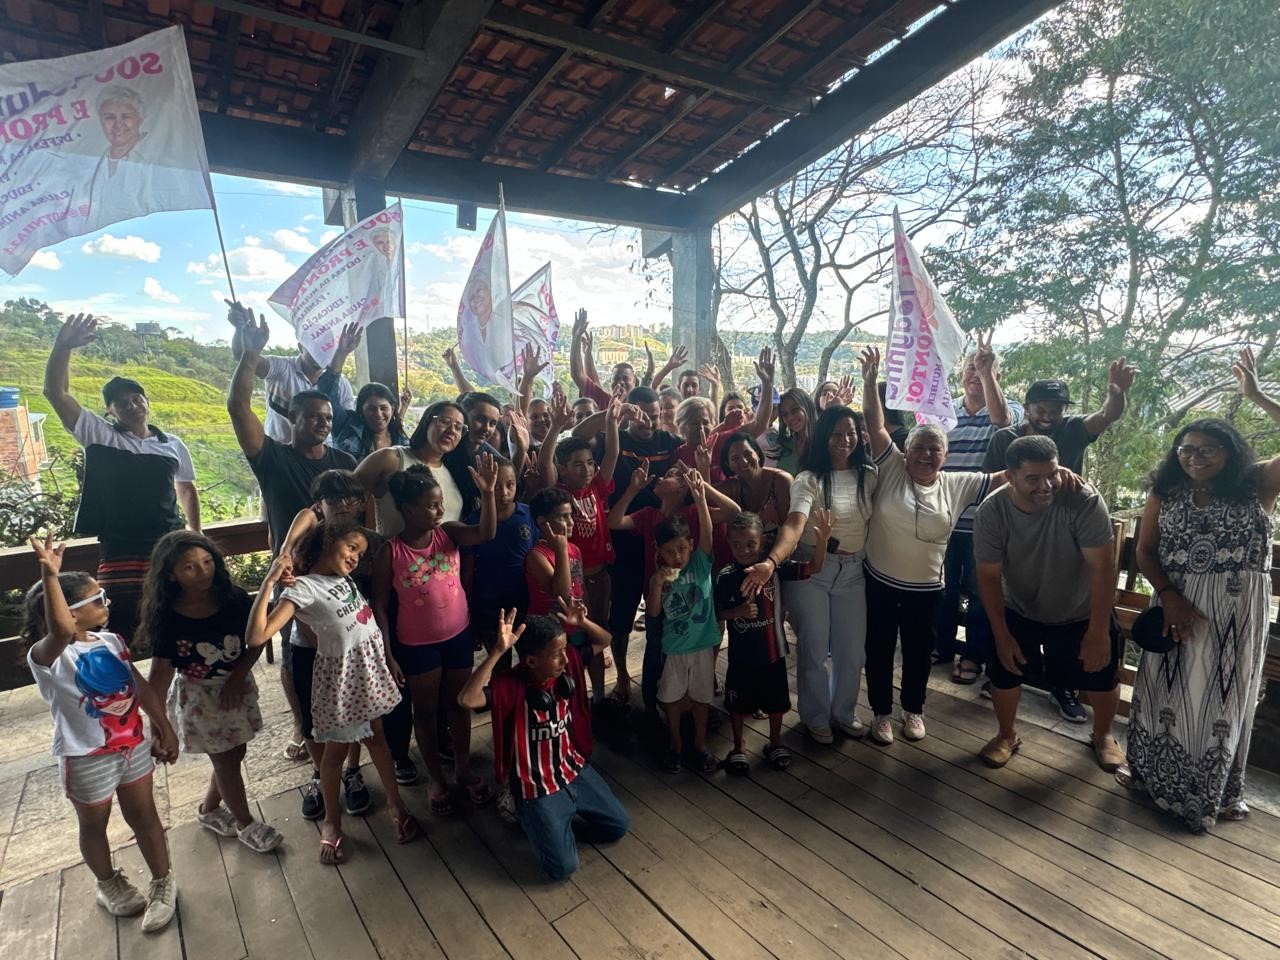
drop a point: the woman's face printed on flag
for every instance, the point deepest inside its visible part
(481, 302)
(122, 123)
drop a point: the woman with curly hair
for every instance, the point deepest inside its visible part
(1205, 547)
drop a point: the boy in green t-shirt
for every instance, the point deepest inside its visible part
(681, 589)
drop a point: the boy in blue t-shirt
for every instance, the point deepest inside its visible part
(501, 583)
(757, 676)
(681, 589)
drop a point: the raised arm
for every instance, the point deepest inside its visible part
(1119, 380)
(472, 695)
(677, 359)
(711, 373)
(485, 476)
(78, 331)
(618, 518)
(236, 316)
(764, 414)
(611, 441)
(1246, 375)
(647, 379)
(984, 362)
(330, 382)
(561, 417)
(872, 412)
(459, 378)
(532, 365)
(706, 532)
(248, 428)
(573, 617)
(265, 621)
(60, 625)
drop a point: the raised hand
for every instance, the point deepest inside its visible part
(1120, 375)
(579, 323)
(613, 413)
(679, 356)
(508, 632)
(710, 372)
(844, 391)
(48, 554)
(484, 473)
(406, 398)
(79, 330)
(1245, 371)
(984, 361)
(253, 334)
(349, 339)
(639, 477)
(449, 356)
(765, 368)
(588, 341)
(571, 615)
(869, 359)
(531, 361)
(735, 418)
(237, 313)
(561, 412)
(697, 486)
(631, 412)
(702, 459)
(518, 422)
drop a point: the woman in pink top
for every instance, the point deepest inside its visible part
(420, 567)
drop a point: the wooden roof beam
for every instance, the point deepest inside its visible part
(317, 26)
(402, 89)
(652, 62)
(938, 48)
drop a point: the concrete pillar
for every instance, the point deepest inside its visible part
(692, 267)
(377, 358)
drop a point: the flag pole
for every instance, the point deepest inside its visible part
(217, 223)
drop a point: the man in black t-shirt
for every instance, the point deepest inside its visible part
(284, 473)
(639, 441)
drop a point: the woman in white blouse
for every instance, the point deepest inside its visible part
(829, 608)
(916, 508)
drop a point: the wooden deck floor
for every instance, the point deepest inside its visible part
(856, 852)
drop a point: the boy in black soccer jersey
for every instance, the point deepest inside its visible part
(542, 735)
(757, 676)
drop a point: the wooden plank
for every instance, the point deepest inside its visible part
(134, 944)
(586, 930)
(517, 923)
(29, 918)
(268, 920)
(85, 930)
(1127, 874)
(553, 900)
(389, 915)
(635, 917)
(328, 917)
(205, 904)
(453, 919)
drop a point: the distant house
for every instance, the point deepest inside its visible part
(22, 448)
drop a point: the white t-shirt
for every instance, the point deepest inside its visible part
(284, 379)
(335, 610)
(850, 513)
(386, 514)
(911, 524)
(92, 697)
(92, 429)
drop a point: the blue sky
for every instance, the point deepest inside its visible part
(166, 268)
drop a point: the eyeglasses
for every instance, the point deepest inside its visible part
(99, 597)
(348, 501)
(450, 426)
(1206, 452)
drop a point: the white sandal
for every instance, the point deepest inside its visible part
(260, 837)
(219, 820)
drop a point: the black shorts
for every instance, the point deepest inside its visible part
(1059, 664)
(751, 688)
(456, 653)
(302, 662)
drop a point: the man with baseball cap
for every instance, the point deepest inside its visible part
(1046, 415)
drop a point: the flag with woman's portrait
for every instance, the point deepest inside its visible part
(96, 138)
(484, 314)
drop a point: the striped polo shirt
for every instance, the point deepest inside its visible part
(967, 447)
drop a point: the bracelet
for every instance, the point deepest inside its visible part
(773, 561)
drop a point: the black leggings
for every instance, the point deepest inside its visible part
(890, 611)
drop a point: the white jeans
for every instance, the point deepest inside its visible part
(829, 612)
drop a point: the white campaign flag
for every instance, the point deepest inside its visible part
(924, 339)
(534, 319)
(355, 278)
(484, 314)
(95, 138)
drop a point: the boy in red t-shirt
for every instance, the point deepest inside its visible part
(574, 471)
(542, 736)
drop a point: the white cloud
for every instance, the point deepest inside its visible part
(310, 217)
(291, 241)
(130, 248)
(329, 235)
(46, 260)
(291, 189)
(152, 288)
(252, 263)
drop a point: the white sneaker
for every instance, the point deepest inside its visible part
(162, 903)
(882, 730)
(820, 734)
(119, 897)
(852, 728)
(913, 725)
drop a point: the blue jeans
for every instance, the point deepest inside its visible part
(960, 574)
(548, 821)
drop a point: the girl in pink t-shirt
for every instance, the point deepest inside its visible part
(420, 569)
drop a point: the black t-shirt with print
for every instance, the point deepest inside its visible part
(756, 642)
(207, 647)
(285, 478)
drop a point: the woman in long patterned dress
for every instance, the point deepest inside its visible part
(1205, 546)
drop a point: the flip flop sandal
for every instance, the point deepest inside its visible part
(737, 764)
(779, 757)
(478, 792)
(759, 715)
(671, 762)
(296, 750)
(441, 805)
(260, 837)
(407, 829)
(963, 674)
(708, 763)
(331, 852)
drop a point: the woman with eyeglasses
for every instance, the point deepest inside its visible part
(1205, 546)
(829, 608)
(916, 508)
(441, 430)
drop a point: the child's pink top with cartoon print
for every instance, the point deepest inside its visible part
(432, 606)
(92, 697)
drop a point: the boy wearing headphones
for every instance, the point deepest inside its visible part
(542, 735)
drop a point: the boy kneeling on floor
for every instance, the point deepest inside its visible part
(542, 736)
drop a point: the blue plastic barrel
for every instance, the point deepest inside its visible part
(8, 398)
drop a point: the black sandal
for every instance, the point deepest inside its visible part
(779, 757)
(737, 764)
